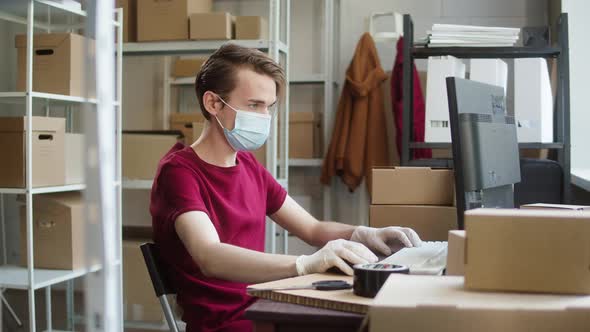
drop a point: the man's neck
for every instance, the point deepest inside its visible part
(213, 148)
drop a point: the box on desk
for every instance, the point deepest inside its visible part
(211, 26)
(58, 231)
(142, 151)
(433, 303)
(432, 223)
(58, 64)
(528, 250)
(412, 186)
(48, 151)
(167, 20)
(456, 253)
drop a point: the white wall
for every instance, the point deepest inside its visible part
(353, 208)
(579, 26)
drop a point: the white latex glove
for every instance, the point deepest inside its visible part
(334, 253)
(386, 240)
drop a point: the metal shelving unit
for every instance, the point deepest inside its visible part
(562, 112)
(48, 16)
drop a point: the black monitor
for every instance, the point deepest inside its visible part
(485, 147)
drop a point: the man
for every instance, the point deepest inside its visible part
(209, 201)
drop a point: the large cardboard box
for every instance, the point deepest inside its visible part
(139, 298)
(456, 253)
(58, 231)
(74, 158)
(302, 132)
(184, 123)
(433, 303)
(412, 186)
(211, 26)
(129, 19)
(142, 152)
(167, 19)
(188, 67)
(528, 250)
(48, 151)
(58, 64)
(251, 27)
(432, 223)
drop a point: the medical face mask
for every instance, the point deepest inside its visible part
(250, 130)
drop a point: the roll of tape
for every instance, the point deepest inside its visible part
(368, 278)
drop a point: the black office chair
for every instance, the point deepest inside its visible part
(161, 284)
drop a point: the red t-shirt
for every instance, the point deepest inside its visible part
(236, 199)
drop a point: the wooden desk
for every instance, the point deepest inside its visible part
(270, 316)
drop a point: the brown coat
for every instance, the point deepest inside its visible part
(359, 138)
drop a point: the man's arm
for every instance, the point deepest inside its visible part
(225, 261)
(292, 217)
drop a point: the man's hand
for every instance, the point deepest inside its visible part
(386, 240)
(334, 253)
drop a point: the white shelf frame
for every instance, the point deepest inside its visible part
(302, 162)
(30, 278)
(137, 184)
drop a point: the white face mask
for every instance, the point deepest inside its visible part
(250, 130)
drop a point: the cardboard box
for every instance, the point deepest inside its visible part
(58, 64)
(456, 253)
(211, 26)
(412, 186)
(74, 158)
(302, 131)
(432, 223)
(528, 250)
(139, 298)
(251, 27)
(184, 123)
(168, 19)
(129, 19)
(48, 151)
(433, 303)
(58, 231)
(142, 152)
(187, 67)
(543, 206)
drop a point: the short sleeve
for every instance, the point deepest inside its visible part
(176, 191)
(275, 193)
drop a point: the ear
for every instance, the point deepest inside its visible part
(211, 103)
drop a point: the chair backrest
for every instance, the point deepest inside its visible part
(151, 255)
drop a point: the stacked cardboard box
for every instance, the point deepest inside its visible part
(420, 198)
(142, 151)
(167, 20)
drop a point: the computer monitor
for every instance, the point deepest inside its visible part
(485, 148)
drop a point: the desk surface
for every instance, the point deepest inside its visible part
(287, 313)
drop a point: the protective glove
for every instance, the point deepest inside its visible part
(334, 253)
(386, 240)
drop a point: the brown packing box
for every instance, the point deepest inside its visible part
(412, 186)
(544, 206)
(48, 151)
(74, 158)
(142, 152)
(251, 27)
(184, 123)
(129, 19)
(432, 223)
(433, 303)
(58, 64)
(167, 19)
(140, 301)
(58, 231)
(187, 67)
(456, 253)
(302, 130)
(211, 26)
(528, 250)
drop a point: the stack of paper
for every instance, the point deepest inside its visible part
(443, 35)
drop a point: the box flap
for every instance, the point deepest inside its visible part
(303, 116)
(412, 291)
(45, 40)
(40, 123)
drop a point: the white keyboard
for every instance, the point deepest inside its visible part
(430, 258)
